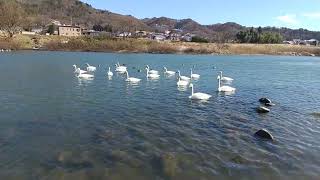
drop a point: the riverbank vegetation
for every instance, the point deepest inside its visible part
(105, 44)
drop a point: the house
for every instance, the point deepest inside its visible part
(124, 34)
(312, 42)
(56, 23)
(68, 30)
(159, 37)
(141, 34)
(187, 37)
(38, 30)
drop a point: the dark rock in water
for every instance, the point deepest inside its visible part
(265, 100)
(139, 70)
(265, 134)
(262, 109)
(269, 104)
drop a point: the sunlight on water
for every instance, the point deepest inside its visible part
(54, 125)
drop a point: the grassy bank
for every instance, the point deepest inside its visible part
(56, 43)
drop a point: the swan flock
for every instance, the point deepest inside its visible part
(182, 81)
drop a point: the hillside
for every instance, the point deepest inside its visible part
(41, 12)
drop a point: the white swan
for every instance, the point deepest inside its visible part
(132, 79)
(90, 68)
(84, 75)
(110, 73)
(152, 76)
(194, 76)
(78, 70)
(170, 73)
(152, 71)
(198, 96)
(184, 78)
(120, 69)
(224, 88)
(182, 82)
(225, 78)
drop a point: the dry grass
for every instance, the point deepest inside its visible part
(105, 44)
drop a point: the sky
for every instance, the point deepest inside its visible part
(279, 13)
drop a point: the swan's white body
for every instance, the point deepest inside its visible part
(198, 96)
(152, 76)
(224, 88)
(170, 73)
(84, 75)
(91, 68)
(184, 78)
(78, 70)
(132, 79)
(226, 79)
(182, 82)
(120, 69)
(152, 71)
(194, 76)
(109, 72)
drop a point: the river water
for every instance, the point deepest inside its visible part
(56, 126)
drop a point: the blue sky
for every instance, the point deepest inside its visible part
(280, 13)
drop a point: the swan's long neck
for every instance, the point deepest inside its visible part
(147, 71)
(127, 75)
(221, 74)
(179, 73)
(191, 72)
(75, 68)
(109, 69)
(219, 83)
(166, 70)
(191, 90)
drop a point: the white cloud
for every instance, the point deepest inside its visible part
(313, 15)
(288, 19)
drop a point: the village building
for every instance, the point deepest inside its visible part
(68, 30)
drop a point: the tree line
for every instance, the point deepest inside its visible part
(257, 36)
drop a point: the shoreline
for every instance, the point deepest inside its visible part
(123, 46)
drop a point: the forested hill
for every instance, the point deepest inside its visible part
(41, 12)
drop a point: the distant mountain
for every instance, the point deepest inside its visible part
(41, 12)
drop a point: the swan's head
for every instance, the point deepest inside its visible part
(220, 72)
(218, 77)
(75, 66)
(164, 68)
(87, 64)
(191, 85)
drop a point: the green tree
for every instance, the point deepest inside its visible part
(107, 28)
(51, 29)
(199, 39)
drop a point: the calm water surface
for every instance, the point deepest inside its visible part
(54, 126)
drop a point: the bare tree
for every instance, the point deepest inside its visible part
(11, 17)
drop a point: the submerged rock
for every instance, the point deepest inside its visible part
(169, 164)
(316, 114)
(262, 109)
(265, 134)
(265, 100)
